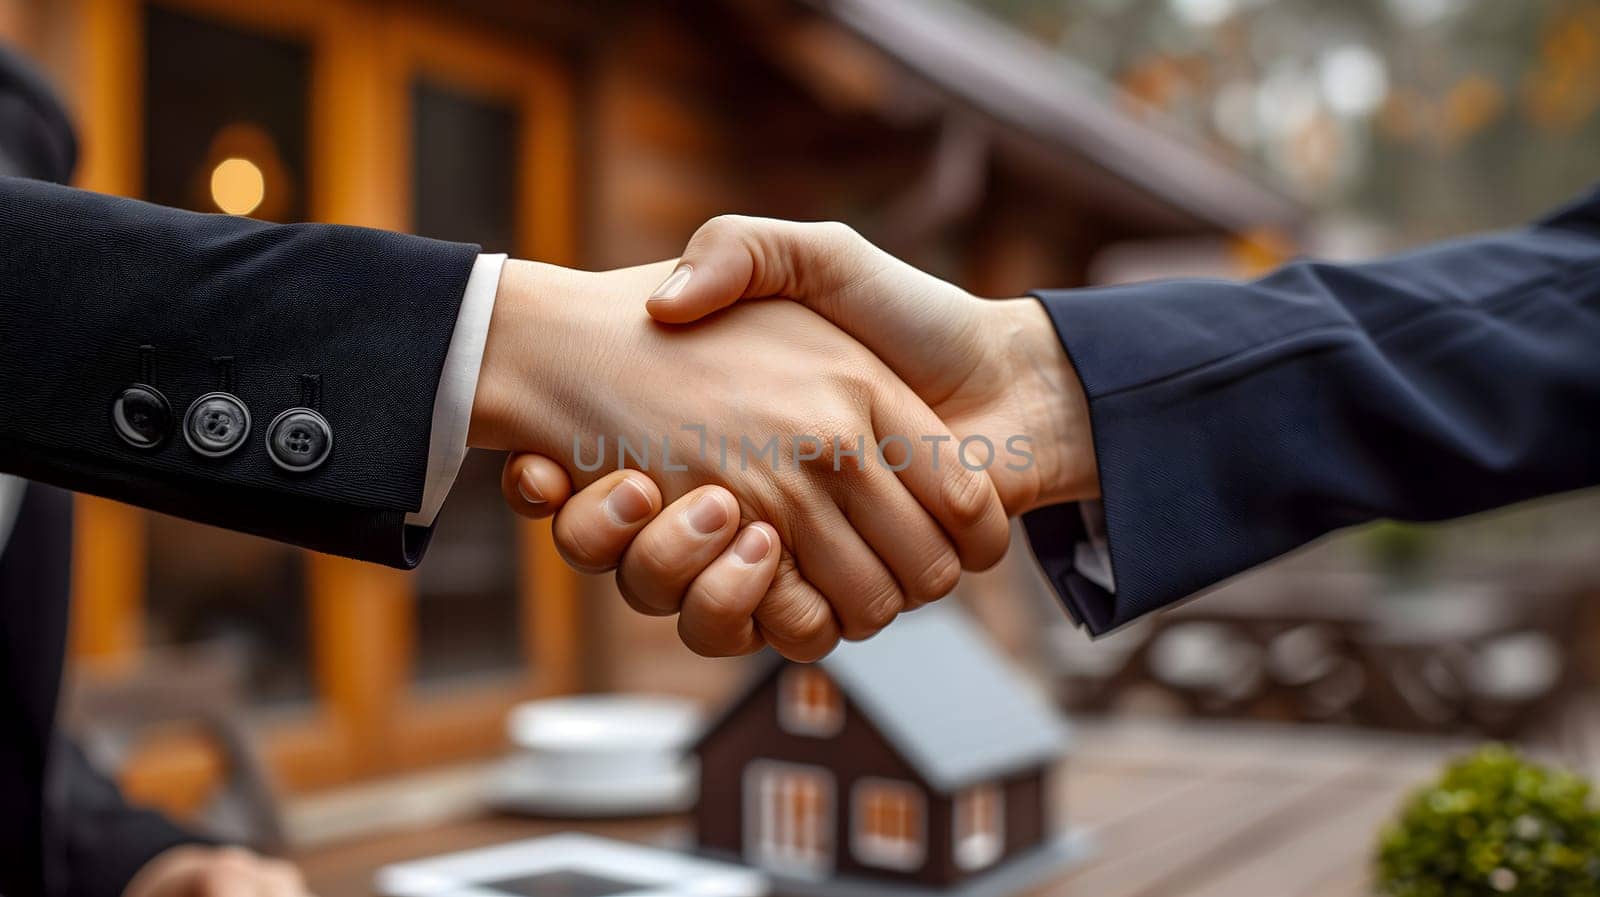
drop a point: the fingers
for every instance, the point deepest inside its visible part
(732, 257)
(931, 464)
(593, 530)
(717, 616)
(834, 558)
(907, 539)
(675, 547)
(218, 872)
(534, 486)
(793, 617)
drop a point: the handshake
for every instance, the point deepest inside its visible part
(789, 471)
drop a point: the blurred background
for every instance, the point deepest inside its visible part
(1004, 144)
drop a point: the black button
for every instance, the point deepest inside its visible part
(216, 424)
(141, 416)
(299, 440)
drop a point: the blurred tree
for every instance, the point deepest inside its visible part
(1430, 116)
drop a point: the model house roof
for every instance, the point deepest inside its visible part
(944, 697)
(947, 699)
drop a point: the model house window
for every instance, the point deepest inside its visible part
(810, 704)
(888, 824)
(979, 826)
(789, 818)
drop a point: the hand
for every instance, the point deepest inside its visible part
(993, 369)
(196, 871)
(569, 355)
(989, 368)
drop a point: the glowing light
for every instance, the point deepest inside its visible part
(1354, 80)
(238, 186)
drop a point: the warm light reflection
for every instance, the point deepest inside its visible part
(238, 186)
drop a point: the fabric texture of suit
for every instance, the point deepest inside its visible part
(85, 281)
(1234, 422)
(88, 279)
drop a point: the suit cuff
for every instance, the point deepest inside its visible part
(458, 384)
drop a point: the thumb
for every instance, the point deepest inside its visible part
(733, 257)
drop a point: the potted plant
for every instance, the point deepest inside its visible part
(1494, 824)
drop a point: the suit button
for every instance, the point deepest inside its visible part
(141, 416)
(216, 424)
(299, 440)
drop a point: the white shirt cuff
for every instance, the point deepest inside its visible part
(452, 404)
(1092, 559)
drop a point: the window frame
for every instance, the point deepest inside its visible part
(880, 852)
(368, 716)
(973, 849)
(764, 853)
(795, 713)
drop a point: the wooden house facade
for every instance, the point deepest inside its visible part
(598, 133)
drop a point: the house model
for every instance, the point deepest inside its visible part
(918, 761)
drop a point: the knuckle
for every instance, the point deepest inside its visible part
(720, 606)
(938, 578)
(835, 233)
(719, 227)
(652, 563)
(878, 610)
(966, 497)
(580, 555)
(794, 618)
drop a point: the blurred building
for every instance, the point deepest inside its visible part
(593, 133)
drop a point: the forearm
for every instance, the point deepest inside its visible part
(350, 322)
(1234, 422)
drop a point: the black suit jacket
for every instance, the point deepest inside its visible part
(1236, 421)
(352, 322)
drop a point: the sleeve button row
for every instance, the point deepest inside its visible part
(298, 440)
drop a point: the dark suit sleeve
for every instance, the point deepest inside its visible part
(352, 321)
(1236, 421)
(103, 840)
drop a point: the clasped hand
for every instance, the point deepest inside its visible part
(784, 472)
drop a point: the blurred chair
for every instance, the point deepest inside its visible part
(199, 686)
(1494, 656)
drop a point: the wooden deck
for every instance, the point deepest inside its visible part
(1197, 810)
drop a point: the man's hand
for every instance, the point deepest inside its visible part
(989, 368)
(196, 871)
(852, 541)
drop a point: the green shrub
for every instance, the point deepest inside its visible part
(1493, 825)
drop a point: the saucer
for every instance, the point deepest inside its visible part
(523, 785)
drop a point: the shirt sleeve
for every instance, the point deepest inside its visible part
(452, 405)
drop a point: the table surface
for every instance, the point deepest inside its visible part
(1198, 810)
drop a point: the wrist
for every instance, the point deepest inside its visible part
(512, 373)
(1051, 402)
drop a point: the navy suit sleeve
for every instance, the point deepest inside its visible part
(353, 321)
(1236, 421)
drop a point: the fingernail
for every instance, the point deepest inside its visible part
(529, 490)
(674, 284)
(753, 545)
(627, 503)
(708, 514)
